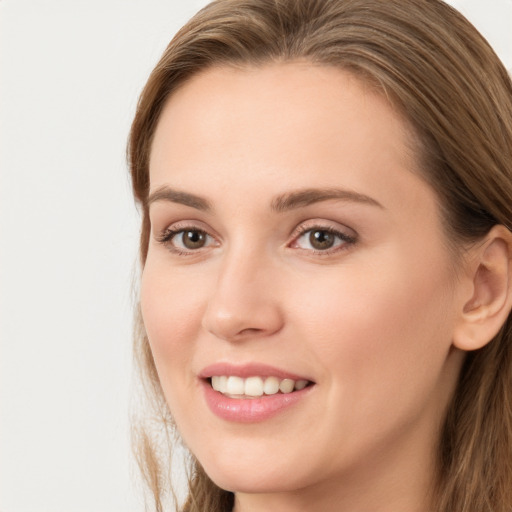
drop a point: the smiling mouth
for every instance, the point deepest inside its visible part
(232, 386)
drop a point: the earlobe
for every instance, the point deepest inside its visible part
(487, 308)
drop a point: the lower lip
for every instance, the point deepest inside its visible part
(251, 410)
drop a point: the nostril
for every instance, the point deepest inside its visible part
(250, 331)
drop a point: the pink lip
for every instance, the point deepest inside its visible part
(250, 410)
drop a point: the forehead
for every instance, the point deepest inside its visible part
(301, 124)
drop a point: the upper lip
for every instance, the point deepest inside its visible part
(248, 370)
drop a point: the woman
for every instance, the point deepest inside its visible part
(325, 188)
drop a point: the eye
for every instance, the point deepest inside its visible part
(185, 240)
(322, 239)
(191, 239)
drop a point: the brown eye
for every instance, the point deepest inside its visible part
(193, 239)
(188, 240)
(321, 240)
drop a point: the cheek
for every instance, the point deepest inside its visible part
(171, 311)
(380, 329)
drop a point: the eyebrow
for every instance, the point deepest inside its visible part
(282, 203)
(305, 197)
(176, 196)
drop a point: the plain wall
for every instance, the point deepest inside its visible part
(70, 74)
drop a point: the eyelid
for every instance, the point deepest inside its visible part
(347, 235)
(166, 235)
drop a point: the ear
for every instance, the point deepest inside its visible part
(488, 301)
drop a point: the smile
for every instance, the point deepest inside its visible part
(236, 387)
(252, 392)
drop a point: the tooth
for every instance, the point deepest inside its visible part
(215, 383)
(223, 383)
(219, 383)
(287, 385)
(301, 384)
(235, 386)
(253, 386)
(271, 386)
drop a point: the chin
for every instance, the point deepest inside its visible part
(250, 483)
(253, 477)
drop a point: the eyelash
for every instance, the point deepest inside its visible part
(166, 238)
(344, 240)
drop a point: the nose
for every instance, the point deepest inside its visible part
(244, 302)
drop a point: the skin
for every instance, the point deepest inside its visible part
(371, 321)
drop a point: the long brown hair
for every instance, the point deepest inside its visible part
(448, 82)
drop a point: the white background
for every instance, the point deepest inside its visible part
(70, 74)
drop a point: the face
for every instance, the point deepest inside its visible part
(295, 246)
